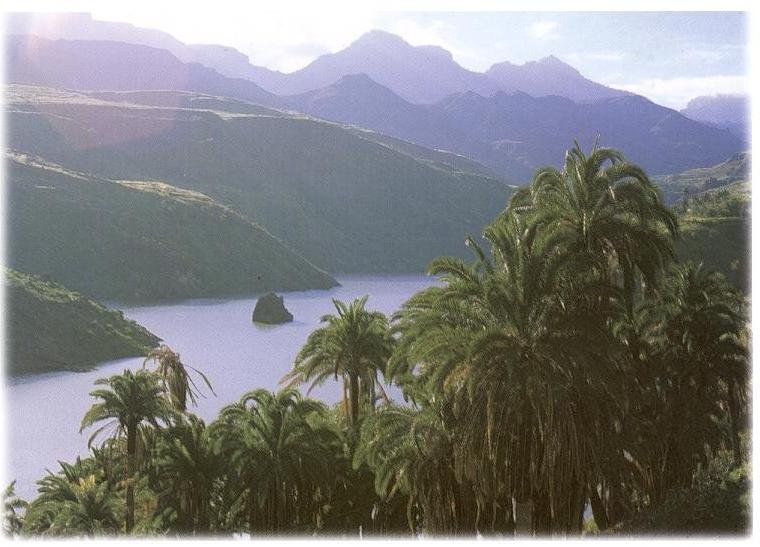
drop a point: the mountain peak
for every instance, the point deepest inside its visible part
(380, 38)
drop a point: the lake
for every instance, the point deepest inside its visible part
(215, 336)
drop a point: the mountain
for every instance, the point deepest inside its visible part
(736, 169)
(52, 328)
(421, 74)
(358, 100)
(549, 76)
(137, 240)
(529, 132)
(515, 133)
(511, 133)
(81, 26)
(117, 66)
(725, 111)
(345, 201)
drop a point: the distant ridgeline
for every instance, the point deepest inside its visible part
(52, 328)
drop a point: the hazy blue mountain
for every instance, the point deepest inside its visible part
(515, 133)
(345, 201)
(549, 76)
(725, 111)
(421, 74)
(81, 26)
(116, 66)
(358, 100)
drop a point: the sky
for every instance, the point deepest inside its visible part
(669, 57)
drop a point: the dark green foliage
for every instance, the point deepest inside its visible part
(715, 231)
(52, 328)
(354, 345)
(574, 363)
(277, 449)
(140, 241)
(344, 201)
(718, 502)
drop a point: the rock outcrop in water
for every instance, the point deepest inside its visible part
(270, 309)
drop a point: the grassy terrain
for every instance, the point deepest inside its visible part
(140, 240)
(343, 200)
(53, 328)
(689, 183)
(715, 230)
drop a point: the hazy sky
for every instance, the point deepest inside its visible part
(669, 57)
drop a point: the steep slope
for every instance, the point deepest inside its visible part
(345, 202)
(549, 76)
(139, 241)
(526, 132)
(725, 111)
(421, 74)
(515, 133)
(359, 100)
(52, 328)
(715, 230)
(117, 66)
(735, 169)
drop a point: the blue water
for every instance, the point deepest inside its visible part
(215, 336)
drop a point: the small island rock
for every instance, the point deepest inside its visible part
(270, 309)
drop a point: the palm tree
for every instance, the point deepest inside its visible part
(603, 214)
(12, 521)
(186, 468)
(129, 400)
(513, 342)
(694, 377)
(355, 344)
(412, 455)
(175, 378)
(57, 489)
(279, 448)
(92, 510)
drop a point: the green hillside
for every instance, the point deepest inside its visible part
(715, 230)
(51, 328)
(694, 181)
(138, 240)
(346, 202)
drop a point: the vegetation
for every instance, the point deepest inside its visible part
(716, 229)
(52, 328)
(140, 240)
(322, 189)
(573, 364)
(675, 188)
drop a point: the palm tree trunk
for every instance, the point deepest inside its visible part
(354, 394)
(131, 452)
(733, 411)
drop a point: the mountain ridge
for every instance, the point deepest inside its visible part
(234, 64)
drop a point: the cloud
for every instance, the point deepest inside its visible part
(544, 30)
(676, 92)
